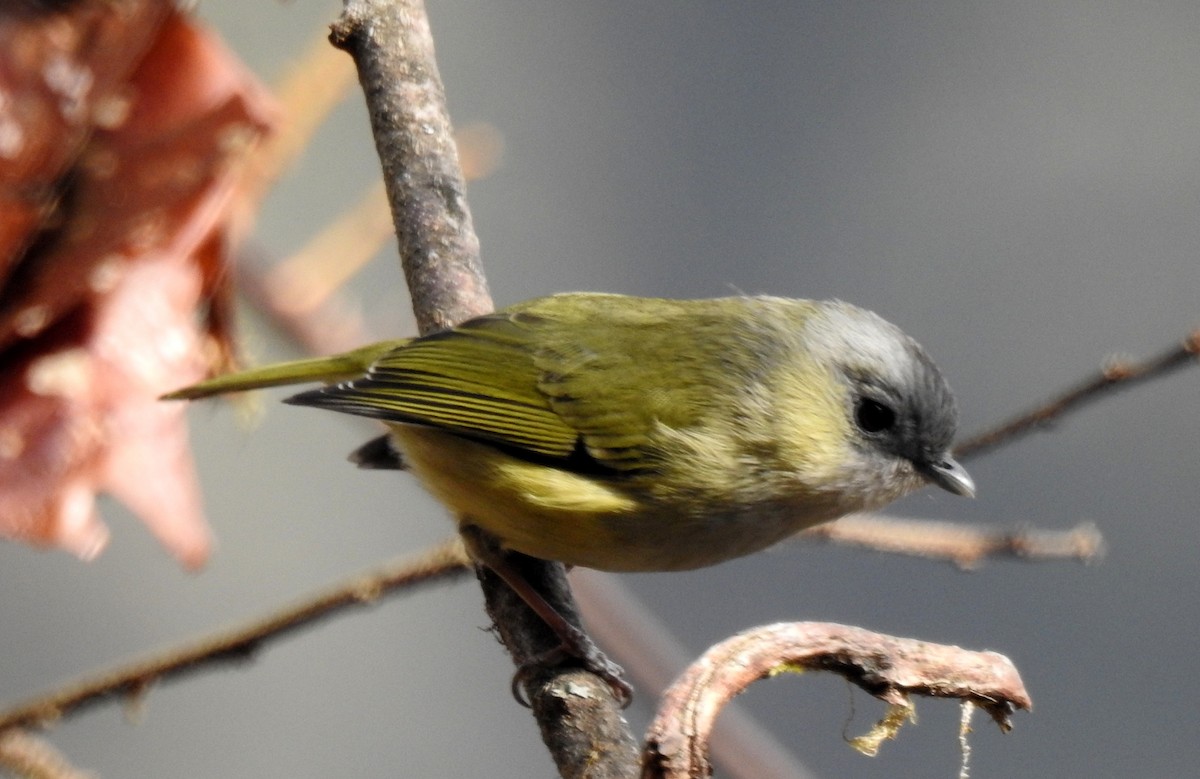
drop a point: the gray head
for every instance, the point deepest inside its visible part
(903, 413)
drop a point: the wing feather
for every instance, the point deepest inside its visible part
(546, 378)
(479, 380)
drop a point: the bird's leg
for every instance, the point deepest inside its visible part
(573, 641)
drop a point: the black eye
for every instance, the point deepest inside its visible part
(873, 416)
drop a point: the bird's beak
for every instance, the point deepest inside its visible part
(950, 476)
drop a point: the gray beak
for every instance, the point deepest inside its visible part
(950, 476)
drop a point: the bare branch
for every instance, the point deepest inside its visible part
(740, 745)
(238, 645)
(964, 545)
(392, 47)
(30, 757)
(889, 668)
(1117, 374)
(332, 326)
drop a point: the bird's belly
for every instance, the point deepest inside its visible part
(583, 520)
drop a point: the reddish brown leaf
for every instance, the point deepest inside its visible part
(98, 317)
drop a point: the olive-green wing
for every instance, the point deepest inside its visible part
(623, 375)
(479, 380)
(603, 373)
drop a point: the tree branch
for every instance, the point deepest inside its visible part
(1115, 375)
(239, 644)
(964, 545)
(889, 668)
(392, 47)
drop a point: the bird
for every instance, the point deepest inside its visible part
(644, 434)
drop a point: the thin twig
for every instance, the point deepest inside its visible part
(889, 668)
(442, 563)
(30, 757)
(336, 325)
(392, 47)
(964, 545)
(312, 87)
(311, 276)
(1116, 375)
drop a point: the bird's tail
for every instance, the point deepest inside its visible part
(339, 367)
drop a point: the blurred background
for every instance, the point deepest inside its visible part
(1016, 184)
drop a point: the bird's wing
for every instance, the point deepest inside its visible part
(478, 380)
(562, 377)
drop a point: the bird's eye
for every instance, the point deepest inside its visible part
(873, 416)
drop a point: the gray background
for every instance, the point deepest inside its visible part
(1014, 183)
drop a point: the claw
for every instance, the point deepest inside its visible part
(589, 657)
(574, 643)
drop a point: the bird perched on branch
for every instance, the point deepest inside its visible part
(637, 434)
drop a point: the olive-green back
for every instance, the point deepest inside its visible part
(557, 373)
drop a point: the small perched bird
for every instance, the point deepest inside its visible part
(636, 434)
(639, 434)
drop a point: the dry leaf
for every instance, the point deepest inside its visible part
(127, 169)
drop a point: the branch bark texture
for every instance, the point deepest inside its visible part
(887, 667)
(392, 47)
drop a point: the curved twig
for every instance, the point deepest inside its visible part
(889, 668)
